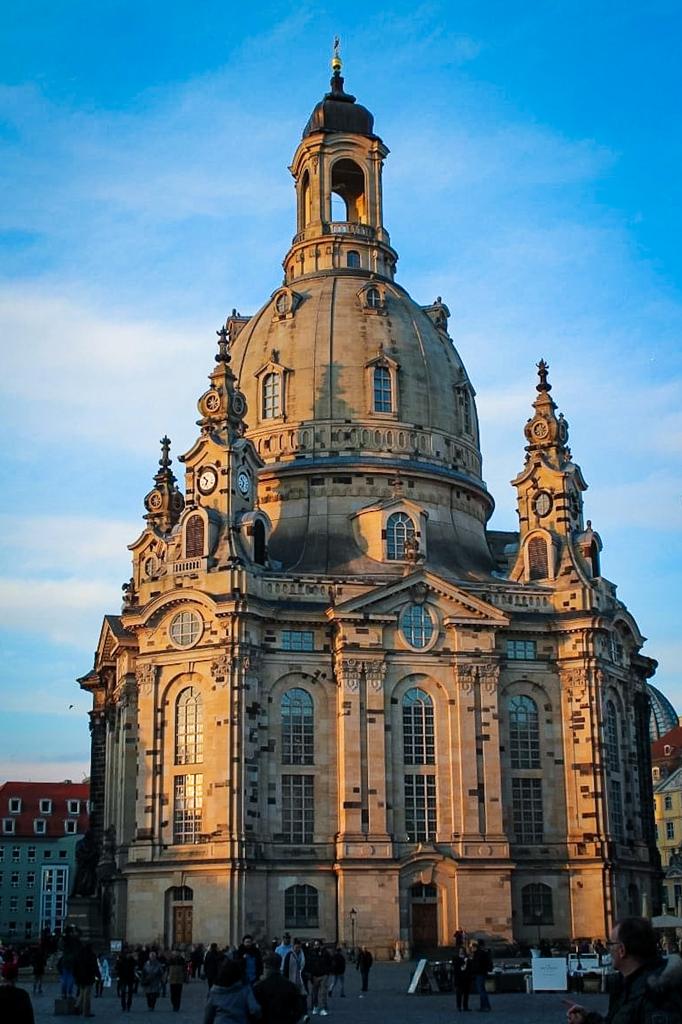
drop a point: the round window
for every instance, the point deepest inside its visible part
(185, 629)
(417, 625)
(282, 303)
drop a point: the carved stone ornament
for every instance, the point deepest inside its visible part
(220, 669)
(375, 671)
(466, 676)
(489, 675)
(350, 670)
(146, 677)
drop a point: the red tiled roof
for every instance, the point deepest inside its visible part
(30, 794)
(672, 739)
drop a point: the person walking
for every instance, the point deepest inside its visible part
(126, 973)
(280, 1000)
(364, 965)
(462, 975)
(152, 976)
(294, 966)
(38, 962)
(212, 962)
(177, 975)
(231, 1000)
(104, 980)
(481, 966)
(284, 948)
(319, 967)
(249, 956)
(85, 973)
(338, 971)
(650, 988)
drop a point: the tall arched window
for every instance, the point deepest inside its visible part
(537, 559)
(383, 396)
(536, 904)
(611, 737)
(194, 537)
(189, 727)
(305, 200)
(352, 258)
(524, 733)
(418, 730)
(259, 542)
(301, 907)
(298, 727)
(398, 529)
(272, 396)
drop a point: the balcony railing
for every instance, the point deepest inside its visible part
(342, 227)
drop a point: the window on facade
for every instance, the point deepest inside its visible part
(31, 854)
(53, 897)
(46, 807)
(670, 830)
(420, 808)
(298, 739)
(259, 551)
(524, 733)
(417, 625)
(418, 728)
(182, 894)
(537, 559)
(282, 303)
(536, 904)
(30, 879)
(616, 810)
(185, 628)
(73, 806)
(13, 904)
(194, 537)
(14, 879)
(8, 826)
(187, 810)
(383, 395)
(298, 808)
(2, 854)
(12, 929)
(70, 827)
(272, 396)
(668, 803)
(298, 640)
(189, 727)
(40, 826)
(611, 736)
(301, 907)
(47, 854)
(352, 258)
(399, 528)
(373, 298)
(527, 810)
(15, 805)
(464, 401)
(616, 649)
(16, 854)
(30, 902)
(62, 854)
(28, 929)
(521, 650)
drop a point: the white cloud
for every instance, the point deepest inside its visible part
(67, 544)
(65, 611)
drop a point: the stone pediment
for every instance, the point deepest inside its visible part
(113, 635)
(455, 604)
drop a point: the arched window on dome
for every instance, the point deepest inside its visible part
(538, 562)
(305, 200)
(259, 551)
(272, 396)
(536, 904)
(399, 528)
(524, 732)
(373, 298)
(418, 728)
(298, 727)
(352, 258)
(194, 536)
(383, 390)
(189, 727)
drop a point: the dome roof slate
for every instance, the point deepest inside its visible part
(338, 112)
(663, 714)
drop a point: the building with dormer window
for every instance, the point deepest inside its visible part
(333, 690)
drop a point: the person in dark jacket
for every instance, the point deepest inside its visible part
(364, 965)
(126, 969)
(152, 979)
(212, 962)
(481, 966)
(462, 976)
(318, 966)
(15, 1003)
(86, 973)
(649, 989)
(38, 962)
(338, 971)
(177, 974)
(249, 955)
(230, 1001)
(279, 999)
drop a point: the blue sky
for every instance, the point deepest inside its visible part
(533, 182)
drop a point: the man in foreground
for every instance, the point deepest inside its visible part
(649, 990)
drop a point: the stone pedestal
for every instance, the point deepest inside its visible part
(85, 915)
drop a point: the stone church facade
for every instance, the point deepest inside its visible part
(335, 703)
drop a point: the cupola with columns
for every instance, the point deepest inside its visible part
(337, 169)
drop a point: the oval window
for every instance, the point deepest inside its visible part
(416, 625)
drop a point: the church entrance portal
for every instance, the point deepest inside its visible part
(424, 917)
(181, 914)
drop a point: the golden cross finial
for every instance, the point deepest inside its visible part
(336, 58)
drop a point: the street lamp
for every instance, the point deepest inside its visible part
(353, 916)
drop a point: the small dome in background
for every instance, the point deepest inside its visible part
(663, 714)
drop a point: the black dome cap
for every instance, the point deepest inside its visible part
(338, 112)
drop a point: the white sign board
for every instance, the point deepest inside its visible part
(419, 970)
(549, 974)
(116, 945)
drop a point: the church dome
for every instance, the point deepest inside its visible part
(338, 112)
(663, 714)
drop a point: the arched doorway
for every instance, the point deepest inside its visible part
(181, 913)
(424, 917)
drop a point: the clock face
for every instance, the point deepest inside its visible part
(540, 429)
(543, 503)
(208, 478)
(244, 483)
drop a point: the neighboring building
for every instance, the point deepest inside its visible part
(331, 688)
(668, 812)
(666, 753)
(663, 714)
(41, 823)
